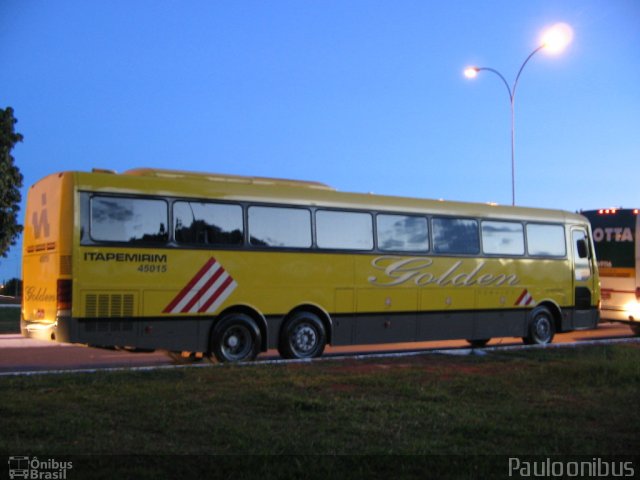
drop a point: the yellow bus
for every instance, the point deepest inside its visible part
(229, 266)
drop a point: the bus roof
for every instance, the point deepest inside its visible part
(612, 211)
(304, 193)
(215, 177)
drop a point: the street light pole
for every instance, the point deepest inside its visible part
(554, 39)
(512, 97)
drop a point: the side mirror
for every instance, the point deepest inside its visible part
(583, 249)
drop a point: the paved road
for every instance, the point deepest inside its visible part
(21, 354)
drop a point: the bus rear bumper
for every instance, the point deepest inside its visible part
(626, 315)
(62, 330)
(148, 333)
(38, 330)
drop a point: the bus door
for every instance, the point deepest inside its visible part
(583, 279)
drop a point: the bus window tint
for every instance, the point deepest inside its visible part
(455, 235)
(502, 238)
(402, 233)
(207, 223)
(344, 230)
(280, 227)
(137, 220)
(546, 240)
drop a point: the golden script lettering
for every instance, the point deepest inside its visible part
(419, 270)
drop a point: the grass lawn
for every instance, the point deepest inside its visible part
(380, 415)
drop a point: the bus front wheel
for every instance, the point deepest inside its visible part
(541, 327)
(302, 336)
(235, 338)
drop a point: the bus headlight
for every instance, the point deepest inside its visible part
(632, 310)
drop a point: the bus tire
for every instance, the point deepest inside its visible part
(635, 328)
(235, 338)
(302, 336)
(479, 343)
(541, 327)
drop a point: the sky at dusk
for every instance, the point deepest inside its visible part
(364, 95)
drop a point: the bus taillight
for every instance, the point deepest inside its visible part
(64, 290)
(638, 294)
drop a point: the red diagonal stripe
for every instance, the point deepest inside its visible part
(529, 300)
(189, 286)
(522, 295)
(203, 290)
(216, 294)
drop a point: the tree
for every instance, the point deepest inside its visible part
(10, 182)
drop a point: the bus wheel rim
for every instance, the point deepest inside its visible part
(543, 328)
(236, 343)
(305, 338)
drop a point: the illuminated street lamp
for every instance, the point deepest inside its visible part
(553, 40)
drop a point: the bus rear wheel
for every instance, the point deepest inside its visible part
(235, 338)
(302, 336)
(541, 327)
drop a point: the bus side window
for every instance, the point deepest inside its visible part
(208, 223)
(455, 235)
(131, 220)
(502, 238)
(280, 227)
(546, 240)
(344, 230)
(402, 233)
